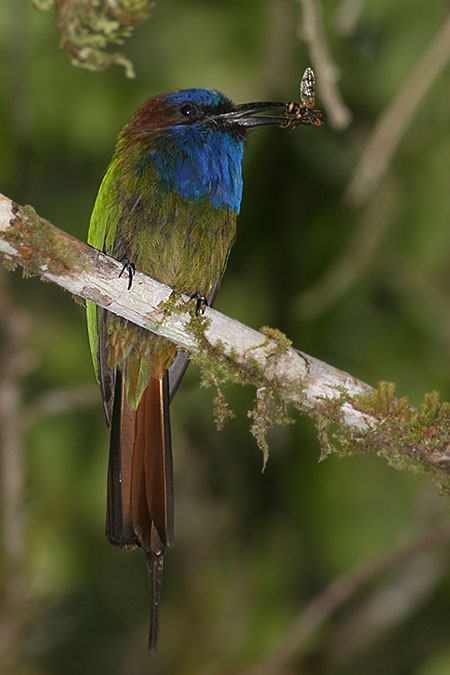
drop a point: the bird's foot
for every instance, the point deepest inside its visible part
(201, 305)
(128, 268)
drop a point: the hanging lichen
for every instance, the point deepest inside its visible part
(88, 28)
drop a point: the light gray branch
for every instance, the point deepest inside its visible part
(92, 275)
(314, 387)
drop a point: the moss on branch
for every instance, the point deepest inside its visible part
(43, 247)
(219, 366)
(417, 439)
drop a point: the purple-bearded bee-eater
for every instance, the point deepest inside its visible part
(167, 206)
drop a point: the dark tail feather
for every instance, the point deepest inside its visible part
(155, 567)
(119, 526)
(140, 483)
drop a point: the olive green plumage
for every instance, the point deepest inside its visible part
(180, 242)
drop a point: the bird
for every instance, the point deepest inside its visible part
(167, 206)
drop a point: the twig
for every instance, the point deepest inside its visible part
(365, 240)
(397, 117)
(279, 47)
(372, 165)
(347, 15)
(311, 31)
(338, 592)
(15, 608)
(57, 401)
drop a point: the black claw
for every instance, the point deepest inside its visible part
(201, 305)
(130, 269)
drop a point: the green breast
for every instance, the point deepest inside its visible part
(179, 241)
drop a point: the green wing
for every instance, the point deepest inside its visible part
(101, 235)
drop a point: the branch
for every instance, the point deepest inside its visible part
(395, 120)
(312, 32)
(341, 589)
(374, 222)
(16, 607)
(60, 400)
(350, 415)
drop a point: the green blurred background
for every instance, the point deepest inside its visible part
(252, 549)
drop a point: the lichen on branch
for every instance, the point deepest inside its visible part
(417, 439)
(88, 28)
(218, 367)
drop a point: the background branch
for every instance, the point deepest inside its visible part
(378, 207)
(395, 120)
(322, 607)
(311, 31)
(14, 366)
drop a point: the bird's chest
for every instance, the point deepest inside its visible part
(178, 210)
(181, 242)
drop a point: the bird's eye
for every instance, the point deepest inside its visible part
(189, 110)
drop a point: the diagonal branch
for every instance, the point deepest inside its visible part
(324, 605)
(396, 118)
(350, 415)
(312, 32)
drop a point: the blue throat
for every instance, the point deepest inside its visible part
(199, 161)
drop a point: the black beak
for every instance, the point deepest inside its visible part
(249, 115)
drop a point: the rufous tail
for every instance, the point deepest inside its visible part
(140, 482)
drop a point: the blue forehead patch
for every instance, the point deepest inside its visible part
(201, 97)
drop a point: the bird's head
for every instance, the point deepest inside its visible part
(194, 140)
(203, 110)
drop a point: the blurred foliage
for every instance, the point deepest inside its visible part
(252, 549)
